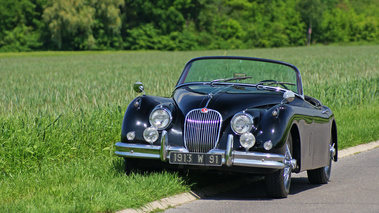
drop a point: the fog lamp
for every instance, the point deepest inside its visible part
(131, 135)
(150, 134)
(247, 140)
(267, 145)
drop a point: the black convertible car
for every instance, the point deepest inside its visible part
(233, 114)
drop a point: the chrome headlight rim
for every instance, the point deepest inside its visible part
(249, 123)
(167, 121)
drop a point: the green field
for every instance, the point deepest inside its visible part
(61, 114)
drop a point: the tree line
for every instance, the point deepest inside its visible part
(27, 25)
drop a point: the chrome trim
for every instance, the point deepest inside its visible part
(161, 107)
(332, 150)
(245, 114)
(210, 95)
(133, 154)
(229, 150)
(229, 157)
(164, 145)
(328, 168)
(258, 163)
(289, 164)
(288, 160)
(138, 87)
(202, 130)
(288, 96)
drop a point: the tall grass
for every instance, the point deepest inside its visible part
(61, 113)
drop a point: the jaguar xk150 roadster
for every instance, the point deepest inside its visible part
(233, 114)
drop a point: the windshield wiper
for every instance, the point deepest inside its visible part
(272, 82)
(230, 79)
(286, 83)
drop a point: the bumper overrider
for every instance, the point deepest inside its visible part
(230, 157)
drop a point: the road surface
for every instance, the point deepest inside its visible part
(354, 187)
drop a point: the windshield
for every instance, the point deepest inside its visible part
(241, 70)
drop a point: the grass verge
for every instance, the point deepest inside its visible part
(93, 185)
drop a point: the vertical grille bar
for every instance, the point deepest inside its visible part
(202, 130)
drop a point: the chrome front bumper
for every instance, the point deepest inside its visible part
(230, 157)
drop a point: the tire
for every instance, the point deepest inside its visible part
(130, 165)
(140, 166)
(278, 183)
(322, 175)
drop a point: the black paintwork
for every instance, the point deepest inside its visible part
(307, 119)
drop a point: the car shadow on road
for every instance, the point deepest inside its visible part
(256, 190)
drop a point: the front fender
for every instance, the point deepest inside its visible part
(275, 125)
(136, 117)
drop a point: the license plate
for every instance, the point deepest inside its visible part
(195, 159)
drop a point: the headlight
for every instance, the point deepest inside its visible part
(242, 123)
(160, 118)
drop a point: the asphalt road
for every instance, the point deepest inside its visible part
(354, 187)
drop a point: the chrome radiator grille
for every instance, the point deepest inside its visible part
(202, 130)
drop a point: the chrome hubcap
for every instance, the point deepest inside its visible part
(328, 169)
(289, 165)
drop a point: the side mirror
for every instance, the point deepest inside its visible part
(138, 87)
(288, 96)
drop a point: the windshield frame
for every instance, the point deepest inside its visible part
(189, 63)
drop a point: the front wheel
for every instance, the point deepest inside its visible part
(278, 183)
(322, 175)
(130, 165)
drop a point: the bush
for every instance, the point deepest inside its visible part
(20, 39)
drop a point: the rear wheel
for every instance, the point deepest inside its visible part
(278, 183)
(322, 175)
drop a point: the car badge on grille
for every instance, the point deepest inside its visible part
(204, 110)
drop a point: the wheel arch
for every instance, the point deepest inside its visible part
(296, 146)
(335, 139)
